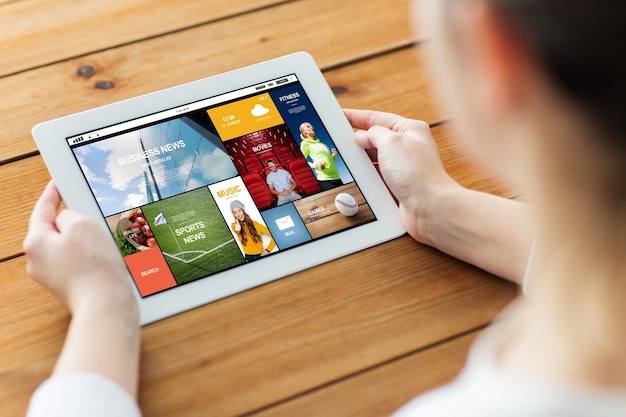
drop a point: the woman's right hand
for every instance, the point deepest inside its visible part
(408, 160)
(491, 232)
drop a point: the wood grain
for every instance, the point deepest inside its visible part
(30, 38)
(322, 217)
(380, 391)
(268, 344)
(395, 82)
(55, 90)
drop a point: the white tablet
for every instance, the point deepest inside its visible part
(223, 184)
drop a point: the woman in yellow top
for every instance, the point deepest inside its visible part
(249, 232)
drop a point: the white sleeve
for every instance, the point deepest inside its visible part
(81, 394)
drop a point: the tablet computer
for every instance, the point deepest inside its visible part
(222, 184)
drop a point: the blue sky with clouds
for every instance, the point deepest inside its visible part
(120, 184)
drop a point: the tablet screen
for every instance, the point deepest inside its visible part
(206, 187)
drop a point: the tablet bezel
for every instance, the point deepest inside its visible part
(51, 136)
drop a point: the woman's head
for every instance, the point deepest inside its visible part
(543, 69)
(578, 45)
(237, 208)
(239, 214)
(307, 131)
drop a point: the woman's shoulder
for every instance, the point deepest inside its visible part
(493, 395)
(485, 389)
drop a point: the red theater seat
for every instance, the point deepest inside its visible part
(253, 164)
(258, 190)
(239, 165)
(284, 154)
(305, 178)
(267, 155)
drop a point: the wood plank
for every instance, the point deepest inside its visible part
(23, 181)
(30, 38)
(56, 90)
(4, 2)
(30, 176)
(25, 307)
(395, 82)
(384, 389)
(266, 345)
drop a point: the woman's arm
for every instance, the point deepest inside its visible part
(490, 232)
(78, 262)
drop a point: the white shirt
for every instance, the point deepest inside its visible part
(483, 389)
(280, 179)
(81, 395)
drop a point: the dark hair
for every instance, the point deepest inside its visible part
(579, 43)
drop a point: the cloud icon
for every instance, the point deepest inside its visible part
(259, 110)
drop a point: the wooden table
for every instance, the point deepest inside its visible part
(357, 336)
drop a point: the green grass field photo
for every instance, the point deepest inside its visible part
(192, 234)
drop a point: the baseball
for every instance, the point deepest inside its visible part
(346, 204)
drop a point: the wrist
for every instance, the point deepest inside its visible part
(104, 338)
(433, 214)
(124, 312)
(114, 299)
